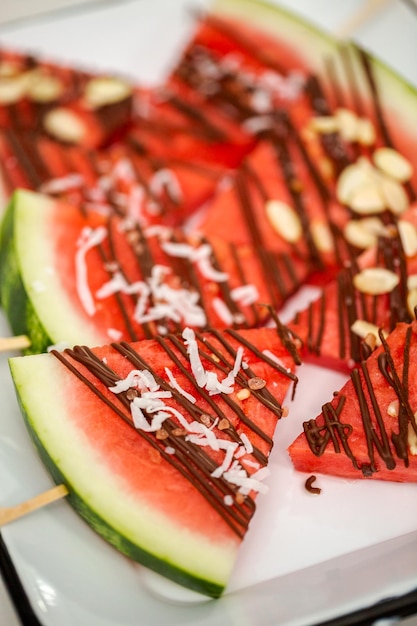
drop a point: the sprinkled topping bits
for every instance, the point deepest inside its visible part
(64, 125)
(224, 424)
(408, 235)
(179, 432)
(393, 164)
(256, 383)
(161, 434)
(375, 281)
(243, 394)
(104, 90)
(367, 199)
(206, 420)
(285, 411)
(284, 220)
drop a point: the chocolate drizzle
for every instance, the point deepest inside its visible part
(381, 445)
(191, 460)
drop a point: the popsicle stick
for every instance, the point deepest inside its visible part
(10, 513)
(366, 12)
(14, 343)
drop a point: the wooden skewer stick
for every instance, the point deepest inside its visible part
(366, 12)
(14, 343)
(10, 513)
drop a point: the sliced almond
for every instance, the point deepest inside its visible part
(324, 124)
(106, 90)
(322, 236)
(394, 194)
(412, 440)
(412, 282)
(375, 281)
(408, 236)
(347, 122)
(366, 135)
(13, 88)
(393, 164)
(362, 233)
(412, 301)
(45, 88)
(363, 329)
(284, 220)
(367, 199)
(352, 177)
(65, 125)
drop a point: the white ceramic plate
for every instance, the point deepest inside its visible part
(306, 558)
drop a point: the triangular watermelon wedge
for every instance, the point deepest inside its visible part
(164, 443)
(369, 429)
(67, 277)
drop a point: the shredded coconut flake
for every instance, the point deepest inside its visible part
(222, 311)
(174, 383)
(88, 240)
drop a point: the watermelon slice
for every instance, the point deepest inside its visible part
(369, 429)
(118, 179)
(70, 104)
(324, 151)
(377, 290)
(67, 277)
(163, 444)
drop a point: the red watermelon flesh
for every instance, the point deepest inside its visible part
(117, 179)
(376, 290)
(369, 429)
(92, 108)
(199, 131)
(162, 436)
(114, 280)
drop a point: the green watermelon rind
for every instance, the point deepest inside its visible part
(89, 496)
(315, 44)
(13, 295)
(26, 258)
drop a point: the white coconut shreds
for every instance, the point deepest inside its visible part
(205, 379)
(201, 256)
(175, 385)
(62, 184)
(156, 299)
(89, 239)
(222, 311)
(151, 407)
(245, 294)
(165, 180)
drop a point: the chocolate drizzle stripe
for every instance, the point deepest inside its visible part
(212, 402)
(191, 461)
(379, 113)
